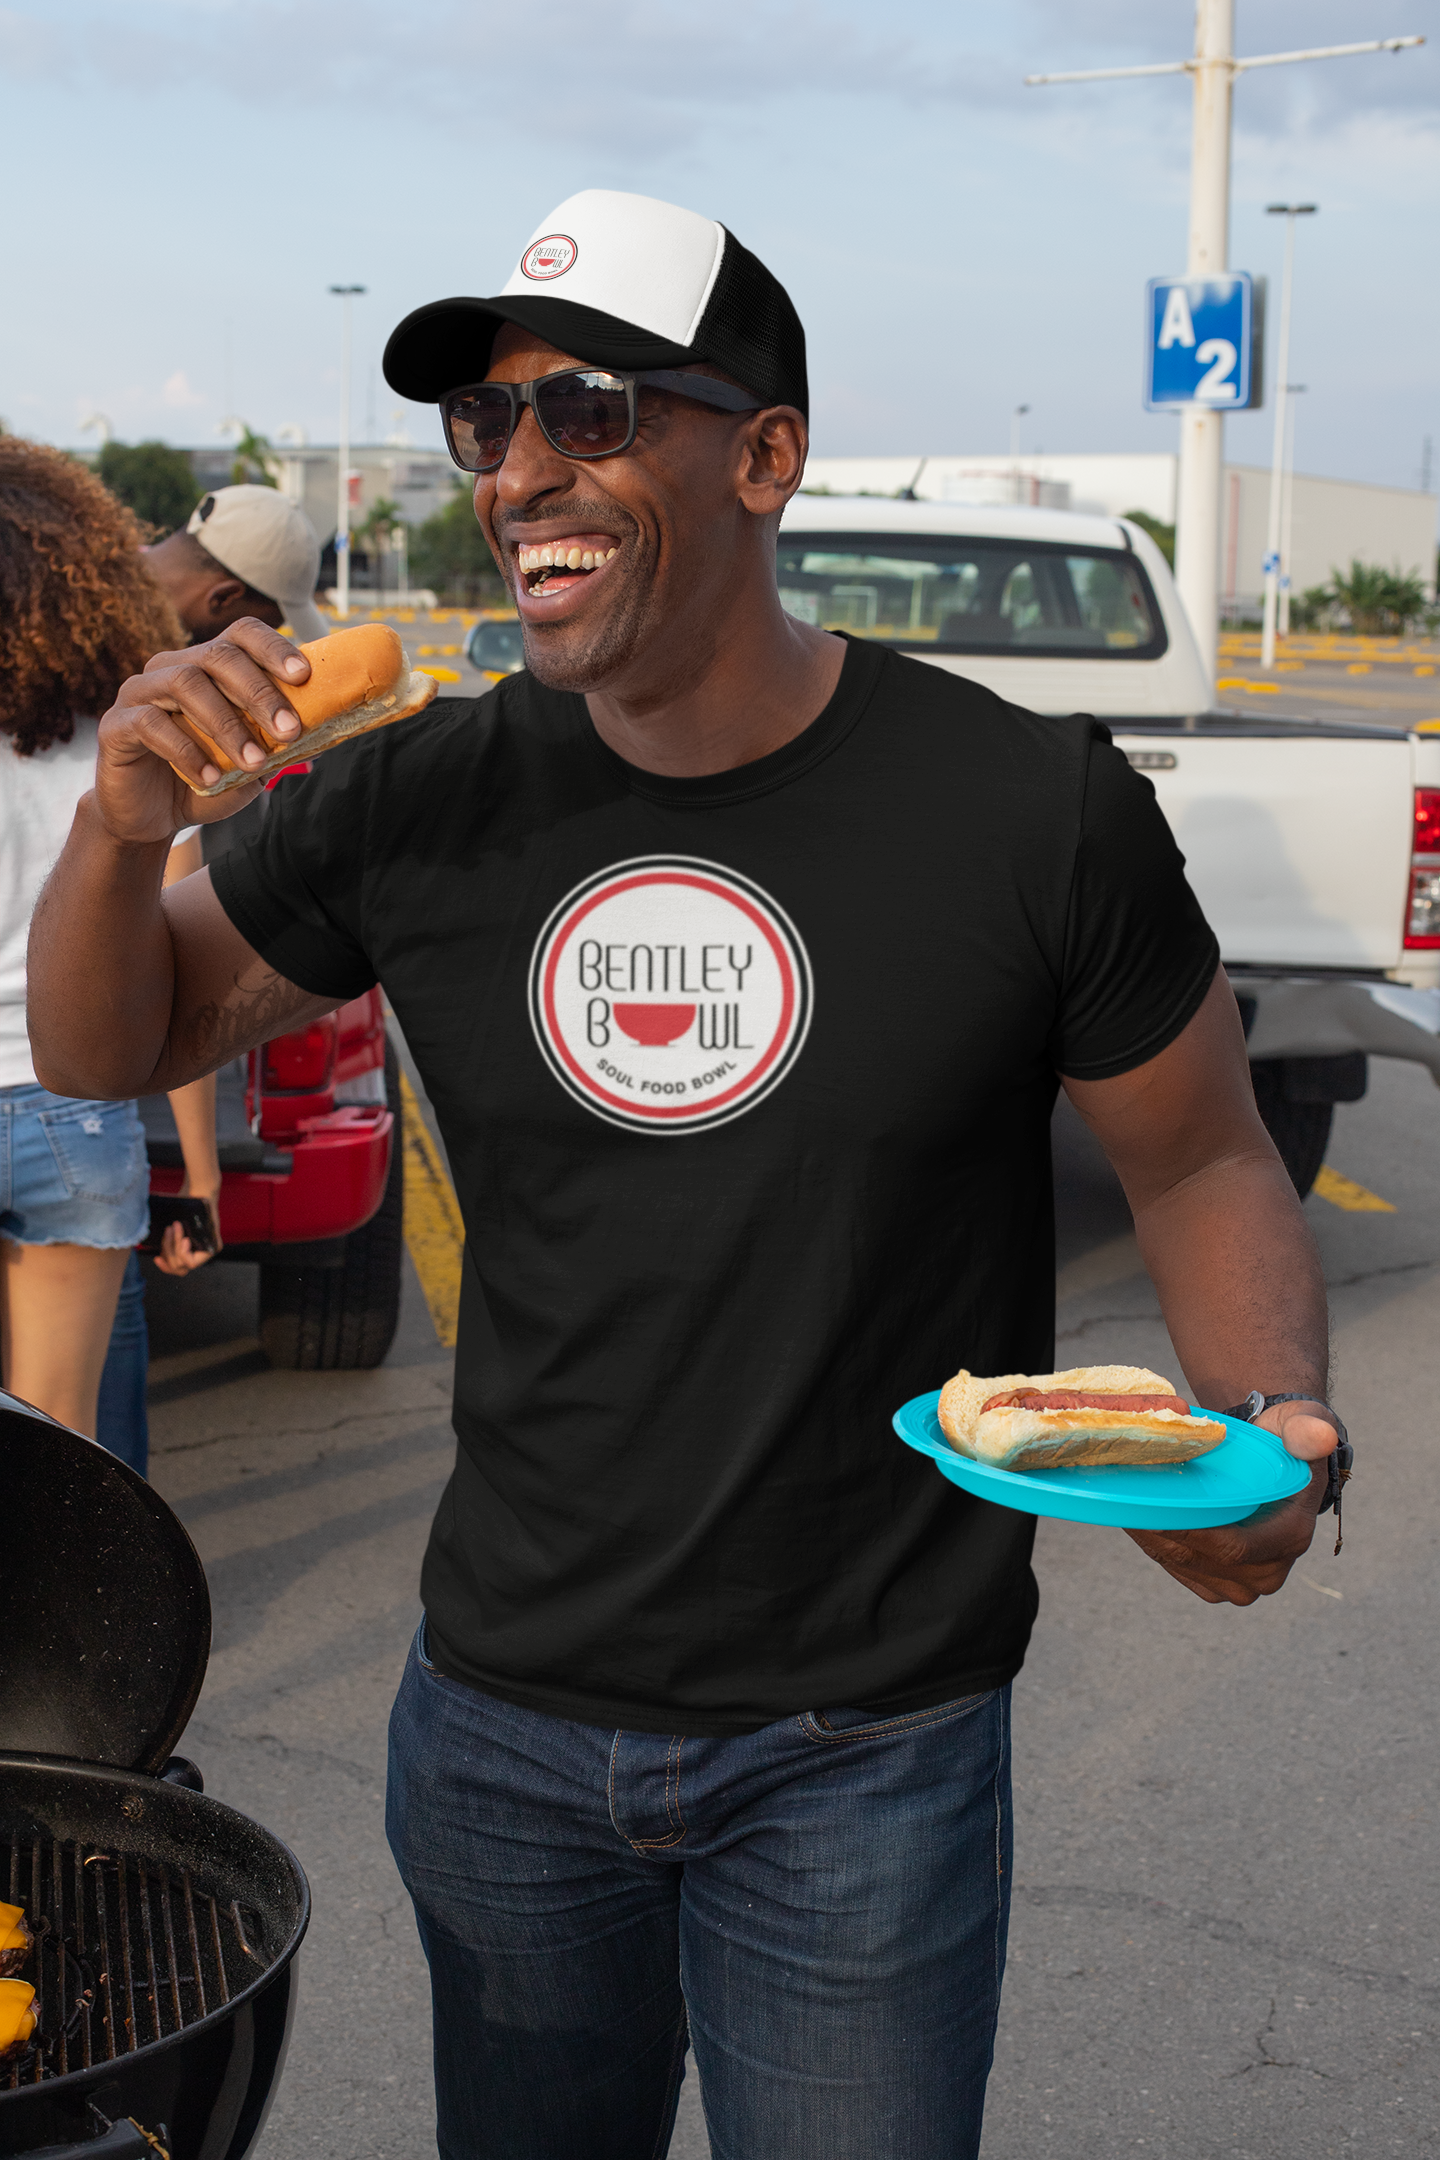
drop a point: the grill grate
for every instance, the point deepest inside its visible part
(125, 1954)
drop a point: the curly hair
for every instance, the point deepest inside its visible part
(79, 611)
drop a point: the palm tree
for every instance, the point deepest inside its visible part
(1380, 603)
(254, 459)
(375, 530)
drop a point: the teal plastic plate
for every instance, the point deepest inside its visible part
(1250, 1469)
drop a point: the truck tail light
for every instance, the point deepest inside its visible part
(301, 1064)
(1422, 924)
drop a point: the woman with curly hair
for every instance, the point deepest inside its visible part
(79, 612)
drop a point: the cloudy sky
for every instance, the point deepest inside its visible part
(186, 177)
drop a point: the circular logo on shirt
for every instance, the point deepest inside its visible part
(669, 995)
(550, 257)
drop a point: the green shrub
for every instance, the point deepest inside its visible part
(151, 479)
(450, 554)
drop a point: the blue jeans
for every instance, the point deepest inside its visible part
(122, 1424)
(819, 1908)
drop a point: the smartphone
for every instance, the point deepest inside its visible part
(192, 1215)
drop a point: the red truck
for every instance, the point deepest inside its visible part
(308, 1128)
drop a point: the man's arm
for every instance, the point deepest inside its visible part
(129, 993)
(1230, 1252)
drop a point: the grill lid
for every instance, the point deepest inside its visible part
(104, 1608)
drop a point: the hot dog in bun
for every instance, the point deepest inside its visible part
(1092, 1415)
(359, 679)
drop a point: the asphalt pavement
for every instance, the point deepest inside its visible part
(1226, 1933)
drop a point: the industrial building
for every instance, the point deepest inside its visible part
(1330, 522)
(420, 482)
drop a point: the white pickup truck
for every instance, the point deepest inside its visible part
(1314, 845)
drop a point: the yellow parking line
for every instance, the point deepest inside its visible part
(434, 1231)
(1343, 1192)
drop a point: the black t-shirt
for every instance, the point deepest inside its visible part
(746, 1085)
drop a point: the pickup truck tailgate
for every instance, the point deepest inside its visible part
(1297, 842)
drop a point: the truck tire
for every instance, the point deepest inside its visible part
(343, 1319)
(1300, 1130)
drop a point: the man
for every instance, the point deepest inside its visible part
(739, 961)
(246, 552)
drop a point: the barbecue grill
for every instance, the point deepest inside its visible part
(165, 1924)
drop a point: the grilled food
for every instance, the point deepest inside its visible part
(17, 2017)
(16, 1940)
(1090, 1416)
(359, 679)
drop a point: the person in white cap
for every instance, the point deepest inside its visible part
(741, 962)
(247, 551)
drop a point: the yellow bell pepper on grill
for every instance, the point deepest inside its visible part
(17, 2016)
(16, 1940)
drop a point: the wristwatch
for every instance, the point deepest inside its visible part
(1341, 1461)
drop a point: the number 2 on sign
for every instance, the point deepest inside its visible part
(1212, 384)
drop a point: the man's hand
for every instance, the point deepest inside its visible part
(1243, 1561)
(225, 687)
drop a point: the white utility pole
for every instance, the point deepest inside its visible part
(1289, 211)
(1214, 68)
(342, 500)
(1015, 418)
(1287, 519)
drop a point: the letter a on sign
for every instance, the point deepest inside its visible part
(1176, 328)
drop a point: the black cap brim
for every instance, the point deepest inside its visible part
(448, 342)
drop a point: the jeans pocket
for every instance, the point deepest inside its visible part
(99, 1149)
(830, 1728)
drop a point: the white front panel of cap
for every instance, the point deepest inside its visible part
(646, 262)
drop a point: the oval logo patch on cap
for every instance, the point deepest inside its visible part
(669, 995)
(550, 257)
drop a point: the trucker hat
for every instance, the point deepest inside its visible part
(258, 534)
(620, 281)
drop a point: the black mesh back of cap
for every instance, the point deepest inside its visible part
(750, 328)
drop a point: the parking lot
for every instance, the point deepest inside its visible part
(1225, 1927)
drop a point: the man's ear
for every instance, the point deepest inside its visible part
(777, 443)
(221, 597)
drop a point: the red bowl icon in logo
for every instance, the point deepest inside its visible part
(655, 1026)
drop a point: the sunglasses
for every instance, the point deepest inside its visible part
(582, 412)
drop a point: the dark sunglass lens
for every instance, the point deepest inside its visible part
(478, 422)
(585, 415)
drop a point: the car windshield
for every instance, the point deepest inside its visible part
(497, 647)
(943, 593)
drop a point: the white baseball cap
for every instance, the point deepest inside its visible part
(258, 534)
(620, 281)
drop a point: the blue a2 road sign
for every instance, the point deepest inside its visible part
(1202, 343)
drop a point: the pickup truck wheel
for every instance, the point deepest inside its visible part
(343, 1319)
(1300, 1130)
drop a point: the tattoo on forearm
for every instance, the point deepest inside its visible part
(259, 1007)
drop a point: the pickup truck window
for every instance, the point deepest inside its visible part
(944, 593)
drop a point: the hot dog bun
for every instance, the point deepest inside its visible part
(1022, 1438)
(359, 679)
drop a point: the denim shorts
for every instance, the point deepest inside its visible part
(71, 1173)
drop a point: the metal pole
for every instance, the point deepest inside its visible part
(1287, 520)
(1289, 211)
(1202, 433)
(1277, 459)
(342, 499)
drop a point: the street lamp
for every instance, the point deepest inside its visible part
(1289, 211)
(342, 505)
